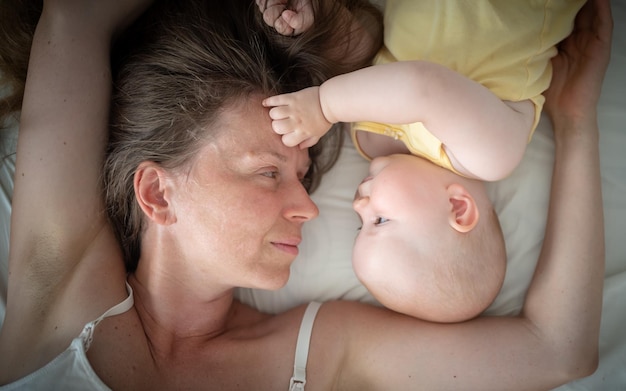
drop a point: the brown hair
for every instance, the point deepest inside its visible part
(17, 25)
(179, 65)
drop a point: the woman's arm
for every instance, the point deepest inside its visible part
(59, 228)
(57, 207)
(555, 339)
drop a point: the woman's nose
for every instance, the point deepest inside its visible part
(302, 207)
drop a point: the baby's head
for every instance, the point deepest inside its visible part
(430, 245)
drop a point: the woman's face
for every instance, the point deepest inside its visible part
(241, 206)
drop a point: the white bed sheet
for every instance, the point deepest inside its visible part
(323, 270)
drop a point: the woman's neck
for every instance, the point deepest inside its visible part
(171, 313)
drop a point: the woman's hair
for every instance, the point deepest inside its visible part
(179, 65)
(18, 19)
(345, 36)
(17, 24)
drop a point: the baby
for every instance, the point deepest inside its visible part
(444, 113)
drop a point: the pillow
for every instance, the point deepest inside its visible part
(8, 143)
(323, 269)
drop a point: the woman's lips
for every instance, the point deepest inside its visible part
(289, 246)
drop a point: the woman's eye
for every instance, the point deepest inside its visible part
(380, 220)
(270, 174)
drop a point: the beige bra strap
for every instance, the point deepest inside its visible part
(298, 380)
(87, 334)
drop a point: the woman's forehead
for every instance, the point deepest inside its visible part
(246, 133)
(246, 118)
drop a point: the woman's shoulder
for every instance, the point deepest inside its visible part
(48, 306)
(61, 334)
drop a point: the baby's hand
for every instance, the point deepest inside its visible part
(287, 21)
(298, 117)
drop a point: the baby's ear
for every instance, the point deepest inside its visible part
(152, 195)
(463, 215)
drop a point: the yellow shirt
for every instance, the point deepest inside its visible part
(505, 45)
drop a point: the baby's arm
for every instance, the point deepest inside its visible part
(483, 134)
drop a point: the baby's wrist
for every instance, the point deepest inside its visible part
(325, 107)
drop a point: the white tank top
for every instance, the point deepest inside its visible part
(71, 370)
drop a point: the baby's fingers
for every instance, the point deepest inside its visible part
(274, 101)
(272, 15)
(285, 126)
(309, 142)
(280, 113)
(292, 139)
(271, 12)
(283, 27)
(298, 21)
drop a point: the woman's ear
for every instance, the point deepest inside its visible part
(464, 214)
(152, 194)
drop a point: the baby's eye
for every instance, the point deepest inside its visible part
(380, 220)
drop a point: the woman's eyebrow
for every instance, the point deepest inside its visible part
(265, 155)
(273, 155)
(276, 155)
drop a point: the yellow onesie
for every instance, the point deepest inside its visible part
(505, 45)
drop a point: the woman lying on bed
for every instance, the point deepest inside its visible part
(228, 212)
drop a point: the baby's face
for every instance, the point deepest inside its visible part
(403, 207)
(406, 212)
(400, 189)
